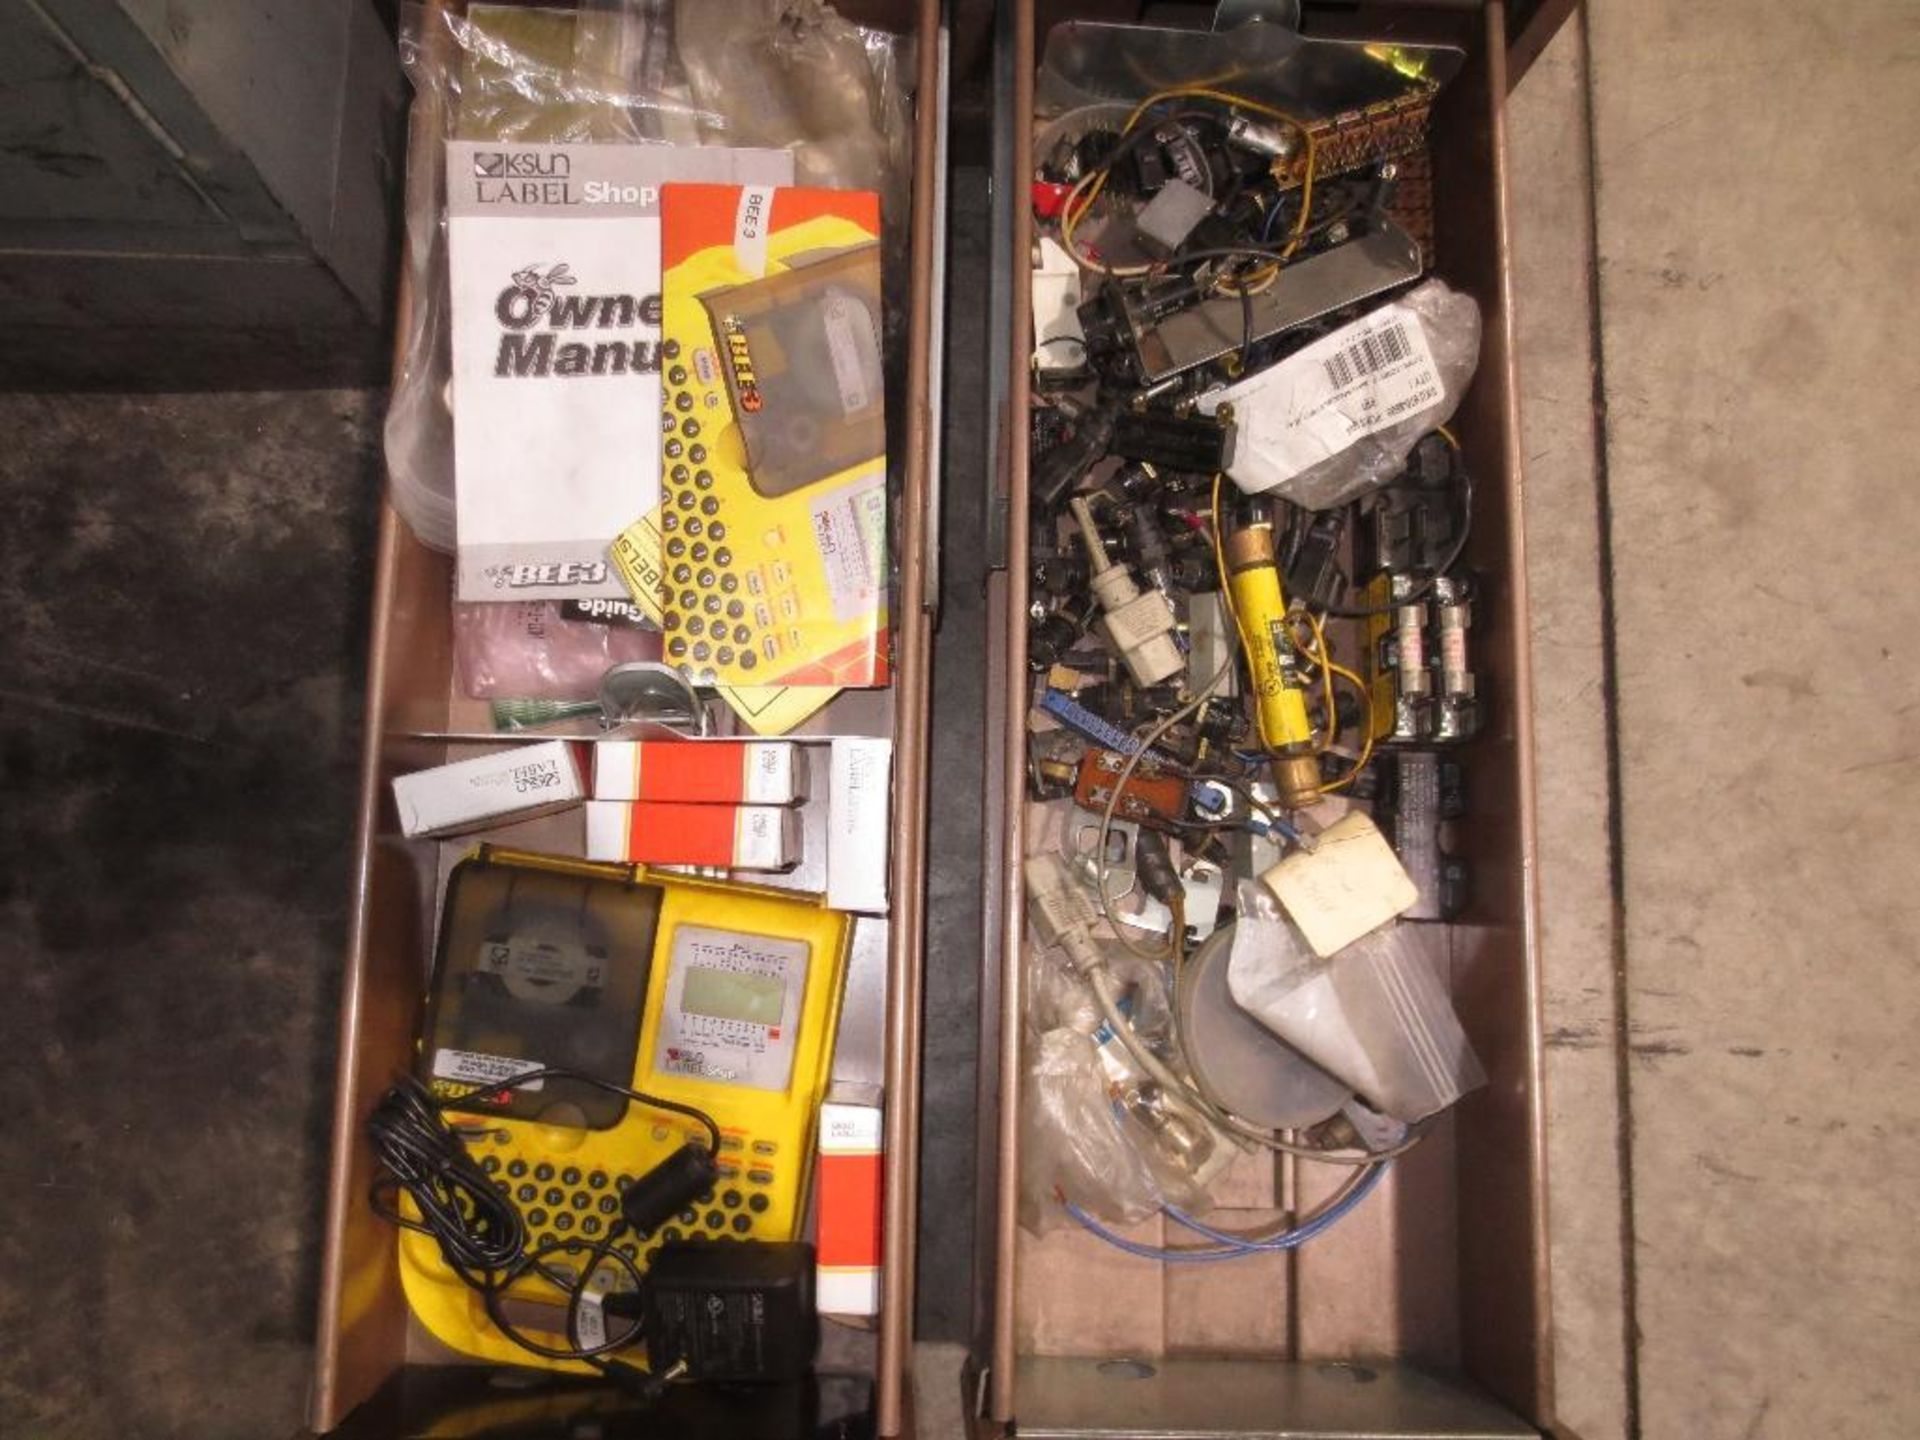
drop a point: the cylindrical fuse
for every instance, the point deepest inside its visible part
(1280, 702)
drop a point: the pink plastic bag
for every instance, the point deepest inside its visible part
(527, 650)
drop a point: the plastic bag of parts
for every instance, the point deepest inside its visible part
(1338, 418)
(1375, 1014)
(1098, 1133)
(791, 74)
(612, 72)
(526, 650)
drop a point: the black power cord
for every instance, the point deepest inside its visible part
(479, 1229)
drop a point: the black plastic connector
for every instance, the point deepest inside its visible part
(1197, 443)
(668, 1188)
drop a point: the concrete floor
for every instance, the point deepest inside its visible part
(1724, 613)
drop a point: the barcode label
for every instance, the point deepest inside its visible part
(1368, 355)
(473, 1068)
(1365, 377)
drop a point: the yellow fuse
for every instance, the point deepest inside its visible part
(1280, 702)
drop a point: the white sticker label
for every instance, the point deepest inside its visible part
(1361, 379)
(849, 527)
(473, 1068)
(590, 1322)
(752, 219)
(769, 774)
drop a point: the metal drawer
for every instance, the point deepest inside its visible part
(376, 1374)
(1448, 1276)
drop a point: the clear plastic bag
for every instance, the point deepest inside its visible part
(1099, 1130)
(1338, 418)
(791, 74)
(1074, 1146)
(614, 72)
(525, 650)
(1375, 1014)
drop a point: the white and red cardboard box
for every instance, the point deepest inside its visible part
(704, 772)
(512, 784)
(847, 1198)
(860, 797)
(733, 837)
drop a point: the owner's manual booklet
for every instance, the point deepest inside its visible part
(554, 255)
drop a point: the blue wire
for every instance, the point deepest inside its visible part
(1266, 230)
(1239, 1246)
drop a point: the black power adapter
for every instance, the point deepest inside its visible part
(731, 1311)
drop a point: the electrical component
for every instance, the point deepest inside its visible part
(1279, 696)
(1051, 637)
(1165, 222)
(1418, 795)
(1312, 563)
(1137, 624)
(1059, 469)
(1165, 330)
(731, 1313)
(1155, 867)
(1420, 675)
(668, 1188)
(1198, 444)
(1148, 543)
(1263, 137)
(1150, 796)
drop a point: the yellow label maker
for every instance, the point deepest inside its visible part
(719, 997)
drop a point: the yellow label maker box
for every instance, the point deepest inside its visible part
(773, 457)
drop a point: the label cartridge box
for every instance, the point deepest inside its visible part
(773, 451)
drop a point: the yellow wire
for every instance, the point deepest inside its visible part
(1318, 655)
(1366, 743)
(1329, 669)
(1070, 218)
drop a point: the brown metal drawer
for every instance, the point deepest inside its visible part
(375, 1372)
(1446, 1275)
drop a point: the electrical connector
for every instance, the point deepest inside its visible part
(1138, 624)
(1062, 912)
